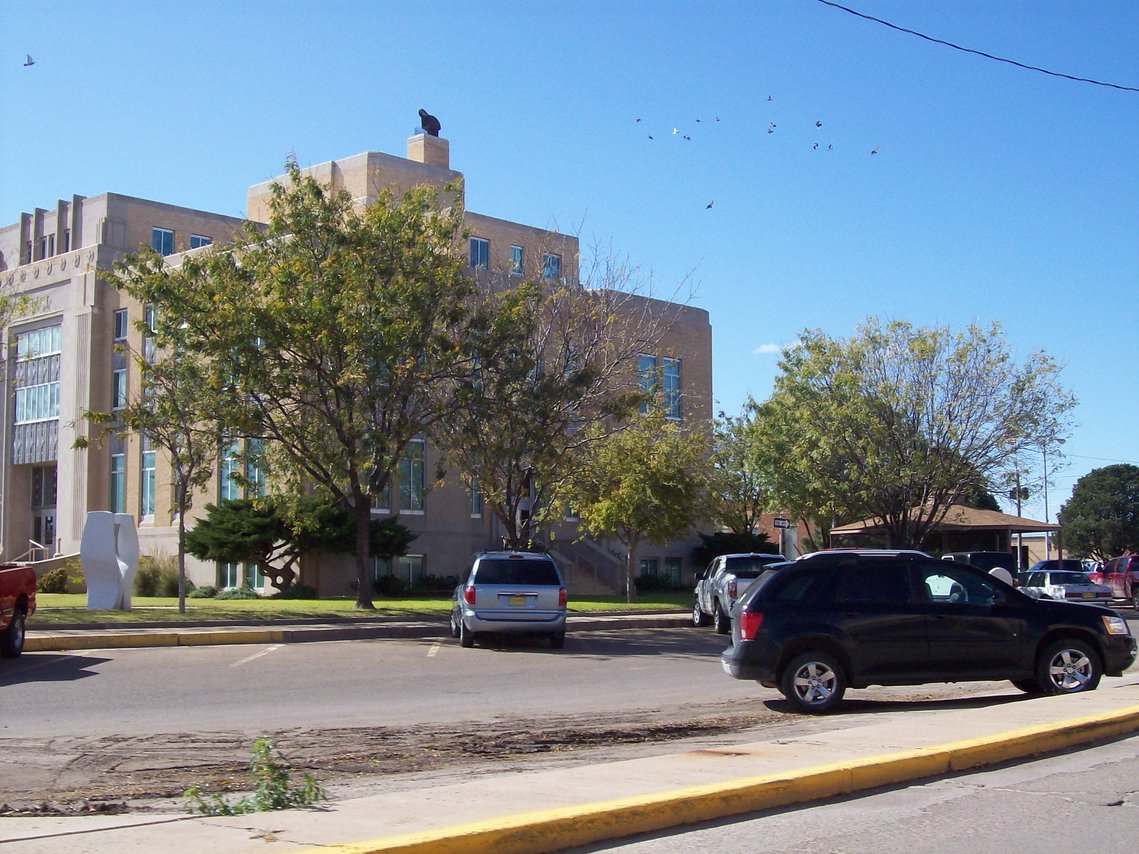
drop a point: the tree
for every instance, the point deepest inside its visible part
(548, 359)
(275, 534)
(896, 422)
(646, 482)
(175, 406)
(724, 543)
(1101, 519)
(742, 476)
(337, 333)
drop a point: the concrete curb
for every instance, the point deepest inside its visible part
(203, 636)
(590, 823)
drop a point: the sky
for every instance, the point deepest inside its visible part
(853, 170)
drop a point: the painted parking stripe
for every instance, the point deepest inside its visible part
(257, 655)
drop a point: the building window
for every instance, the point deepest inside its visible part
(411, 484)
(409, 569)
(255, 466)
(254, 578)
(37, 403)
(647, 374)
(118, 389)
(476, 500)
(551, 266)
(649, 566)
(670, 377)
(480, 253)
(228, 575)
(516, 260)
(673, 567)
(197, 241)
(162, 241)
(67, 240)
(146, 503)
(383, 502)
(228, 488)
(46, 341)
(120, 327)
(118, 483)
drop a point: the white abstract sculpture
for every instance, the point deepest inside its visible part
(108, 553)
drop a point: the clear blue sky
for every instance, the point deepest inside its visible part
(996, 194)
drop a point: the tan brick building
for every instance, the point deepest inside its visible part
(63, 359)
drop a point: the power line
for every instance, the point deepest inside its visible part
(978, 52)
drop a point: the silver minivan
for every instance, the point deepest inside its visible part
(510, 593)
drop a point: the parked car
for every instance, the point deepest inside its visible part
(17, 603)
(987, 561)
(1067, 564)
(510, 593)
(1064, 584)
(1121, 574)
(834, 620)
(722, 583)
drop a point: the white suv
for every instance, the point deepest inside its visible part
(510, 593)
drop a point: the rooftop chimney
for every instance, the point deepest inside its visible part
(425, 148)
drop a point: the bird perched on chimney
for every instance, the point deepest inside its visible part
(428, 122)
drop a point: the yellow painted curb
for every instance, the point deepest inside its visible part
(566, 827)
(127, 640)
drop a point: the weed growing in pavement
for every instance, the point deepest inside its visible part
(270, 775)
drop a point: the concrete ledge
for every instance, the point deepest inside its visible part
(589, 823)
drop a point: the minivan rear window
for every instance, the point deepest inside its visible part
(508, 571)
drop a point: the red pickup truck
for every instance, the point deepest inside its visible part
(17, 603)
(1121, 574)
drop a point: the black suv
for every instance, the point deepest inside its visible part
(834, 620)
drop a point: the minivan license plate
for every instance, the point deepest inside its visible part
(516, 601)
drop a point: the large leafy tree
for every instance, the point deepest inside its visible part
(1101, 519)
(336, 331)
(548, 358)
(742, 474)
(897, 422)
(646, 482)
(275, 534)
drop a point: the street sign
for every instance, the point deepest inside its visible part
(782, 522)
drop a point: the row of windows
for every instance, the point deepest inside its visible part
(480, 259)
(673, 567)
(37, 403)
(666, 372)
(45, 341)
(47, 247)
(162, 240)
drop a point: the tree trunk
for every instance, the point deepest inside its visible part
(181, 491)
(631, 572)
(363, 514)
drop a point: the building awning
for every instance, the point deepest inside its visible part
(959, 518)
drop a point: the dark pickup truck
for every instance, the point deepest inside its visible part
(17, 603)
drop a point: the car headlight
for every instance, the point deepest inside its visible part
(1116, 625)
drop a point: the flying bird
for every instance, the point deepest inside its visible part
(830, 148)
(818, 124)
(717, 118)
(637, 120)
(29, 60)
(709, 205)
(771, 97)
(686, 136)
(429, 123)
(698, 120)
(875, 150)
(675, 131)
(815, 146)
(651, 136)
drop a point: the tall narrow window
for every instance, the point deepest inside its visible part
(647, 375)
(227, 575)
(411, 486)
(254, 578)
(120, 327)
(146, 503)
(67, 240)
(670, 377)
(476, 499)
(118, 388)
(255, 466)
(551, 266)
(516, 260)
(480, 253)
(228, 488)
(162, 241)
(118, 483)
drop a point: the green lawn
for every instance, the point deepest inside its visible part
(55, 608)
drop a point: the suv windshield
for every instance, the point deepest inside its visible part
(515, 571)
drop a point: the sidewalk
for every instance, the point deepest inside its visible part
(546, 810)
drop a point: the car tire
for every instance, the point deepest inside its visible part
(722, 623)
(466, 636)
(12, 641)
(699, 618)
(454, 625)
(1028, 686)
(1135, 598)
(1068, 667)
(813, 683)
(557, 640)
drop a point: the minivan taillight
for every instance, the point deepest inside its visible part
(749, 624)
(562, 598)
(469, 594)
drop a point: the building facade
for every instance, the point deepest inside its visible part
(71, 354)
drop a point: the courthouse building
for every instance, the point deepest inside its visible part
(71, 354)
